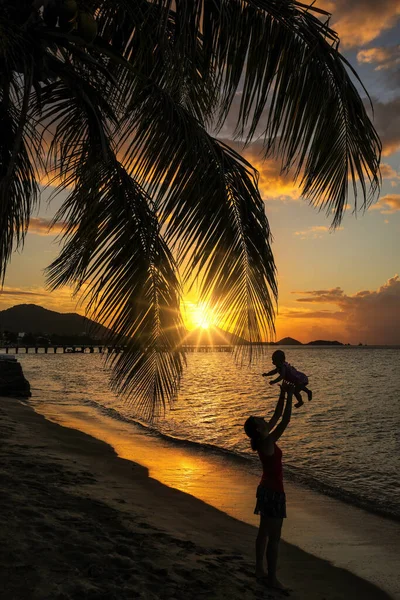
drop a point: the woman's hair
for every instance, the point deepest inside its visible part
(280, 355)
(252, 432)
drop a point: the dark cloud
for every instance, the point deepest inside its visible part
(386, 118)
(322, 295)
(315, 314)
(16, 292)
(369, 316)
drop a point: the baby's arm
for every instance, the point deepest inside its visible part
(273, 372)
(281, 371)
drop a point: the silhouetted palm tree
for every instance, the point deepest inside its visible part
(122, 121)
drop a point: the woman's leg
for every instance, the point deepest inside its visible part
(261, 545)
(274, 527)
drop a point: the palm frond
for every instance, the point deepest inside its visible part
(311, 109)
(149, 89)
(210, 206)
(19, 157)
(114, 254)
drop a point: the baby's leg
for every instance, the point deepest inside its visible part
(308, 392)
(298, 397)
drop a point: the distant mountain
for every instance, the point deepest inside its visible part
(212, 336)
(36, 319)
(324, 343)
(288, 341)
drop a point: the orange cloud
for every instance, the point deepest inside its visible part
(315, 232)
(273, 184)
(361, 21)
(385, 57)
(388, 172)
(40, 226)
(387, 205)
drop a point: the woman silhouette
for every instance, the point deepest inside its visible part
(271, 500)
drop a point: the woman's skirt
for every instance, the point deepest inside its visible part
(270, 503)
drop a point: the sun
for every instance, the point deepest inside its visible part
(198, 315)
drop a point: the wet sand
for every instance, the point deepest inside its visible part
(78, 522)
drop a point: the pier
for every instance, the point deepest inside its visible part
(97, 349)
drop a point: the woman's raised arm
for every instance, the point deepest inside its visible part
(279, 429)
(278, 409)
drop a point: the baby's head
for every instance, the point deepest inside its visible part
(278, 358)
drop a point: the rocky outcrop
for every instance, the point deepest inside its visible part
(12, 380)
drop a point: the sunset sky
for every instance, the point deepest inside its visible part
(332, 285)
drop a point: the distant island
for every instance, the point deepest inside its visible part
(324, 343)
(288, 341)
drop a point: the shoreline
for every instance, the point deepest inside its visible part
(292, 475)
(343, 534)
(81, 522)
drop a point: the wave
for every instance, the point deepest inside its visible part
(293, 473)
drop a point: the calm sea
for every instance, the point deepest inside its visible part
(344, 443)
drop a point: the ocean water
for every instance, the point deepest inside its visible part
(345, 443)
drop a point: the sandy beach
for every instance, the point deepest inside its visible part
(79, 522)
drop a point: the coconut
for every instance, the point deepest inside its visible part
(68, 10)
(87, 26)
(50, 14)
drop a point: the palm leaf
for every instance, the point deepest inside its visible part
(310, 109)
(149, 90)
(210, 206)
(19, 143)
(113, 251)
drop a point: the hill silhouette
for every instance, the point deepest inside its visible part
(288, 341)
(36, 319)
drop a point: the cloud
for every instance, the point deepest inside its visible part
(384, 57)
(17, 292)
(369, 316)
(273, 184)
(387, 205)
(40, 226)
(60, 300)
(386, 119)
(308, 314)
(388, 172)
(315, 232)
(361, 21)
